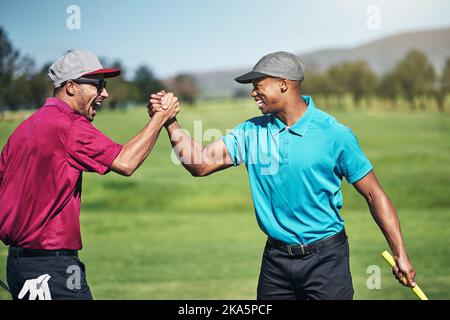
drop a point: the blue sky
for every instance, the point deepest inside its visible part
(173, 36)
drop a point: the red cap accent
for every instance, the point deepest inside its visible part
(107, 73)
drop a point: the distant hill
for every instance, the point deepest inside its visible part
(382, 55)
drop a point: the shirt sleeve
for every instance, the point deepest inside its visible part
(235, 143)
(352, 163)
(2, 167)
(89, 149)
(3, 156)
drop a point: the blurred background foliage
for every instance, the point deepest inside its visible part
(413, 84)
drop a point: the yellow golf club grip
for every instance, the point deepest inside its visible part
(389, 259)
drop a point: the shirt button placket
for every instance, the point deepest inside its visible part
(286, 146)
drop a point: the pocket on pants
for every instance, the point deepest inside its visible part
(333, 268)
(336, 260)
(339, 252)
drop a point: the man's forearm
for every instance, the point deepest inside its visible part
(386, 217)
(136, 150)
(383, 212)
(188, 151)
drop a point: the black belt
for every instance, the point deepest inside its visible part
(24, 252)
(305, 249)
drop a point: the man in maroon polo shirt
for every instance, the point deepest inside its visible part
(41, 169)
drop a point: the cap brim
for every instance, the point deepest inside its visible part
(107, 73)
(250, 76)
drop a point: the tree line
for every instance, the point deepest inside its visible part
(414, 76)
(24, 86)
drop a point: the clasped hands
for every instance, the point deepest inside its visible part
(164, 106)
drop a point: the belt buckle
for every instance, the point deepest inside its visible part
(302, 249)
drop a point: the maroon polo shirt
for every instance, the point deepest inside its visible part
(41, 169)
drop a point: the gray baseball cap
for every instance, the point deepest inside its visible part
(77, 63)
(276, 64)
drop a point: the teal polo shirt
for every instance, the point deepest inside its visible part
(296, 172)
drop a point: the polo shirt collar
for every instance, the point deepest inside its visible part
(63, 106)
(301, 126)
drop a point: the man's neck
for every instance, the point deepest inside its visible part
(293, 111)
(66, 100)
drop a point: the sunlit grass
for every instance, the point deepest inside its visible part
(162, 234)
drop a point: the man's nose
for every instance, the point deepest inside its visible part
(253, 94)
(104, 93)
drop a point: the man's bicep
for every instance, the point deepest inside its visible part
(367, 185)
(218, 152)
(216, 157)
(118, 165)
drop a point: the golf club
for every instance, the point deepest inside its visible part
(418, 292)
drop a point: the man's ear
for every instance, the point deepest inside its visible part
(70, 88)
(284, 85)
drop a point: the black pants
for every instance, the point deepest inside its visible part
(67, 275)
(322, 275)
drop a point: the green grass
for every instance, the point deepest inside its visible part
(162, 234)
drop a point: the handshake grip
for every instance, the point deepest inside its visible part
(163, 106)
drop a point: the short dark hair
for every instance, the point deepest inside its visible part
(56, 91)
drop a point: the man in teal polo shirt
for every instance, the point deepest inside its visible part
(296, 156)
